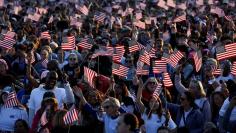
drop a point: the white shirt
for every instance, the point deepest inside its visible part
(36, 97)
(8, 117)
(109, 123)
(224, 107)
(186, 113)
(154, 122)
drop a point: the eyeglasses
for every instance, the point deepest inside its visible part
(106, 107)
(72, 59)
(153, 83)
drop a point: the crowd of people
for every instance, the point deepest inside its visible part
(117, 66)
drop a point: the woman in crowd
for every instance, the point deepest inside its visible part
(109, 116)
(188, 116)
(195, 86)
(217, 100)
(153, 115)
(9, 115)
(128, 123)
(21, 126)
(49, 105)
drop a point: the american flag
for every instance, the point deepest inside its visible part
(71, 116)
(118, 52)
(68, 43)
(34, 17)
(157, 91)
(227, 51)
(175, 57)
(84, 43)
(83, 9)
(217, 71)
(102, 52)
(138, 15)
(119, 70)
(197, 57)
(11, 100)
(144, 57)
(133, 46)
(166, 80)
(139, 24)
(43, 119)
(171, 3)
(180, 18)
(140, 70)
(159, 66)
(199, 2)
(6, 41)
(89, 75)
(45, 35)
(10, 34)
(44, 63)
(162, 4)
(233, 70)
(229, 18)
(210, 38)
(141, 46)
(100, 16)
(151, 51)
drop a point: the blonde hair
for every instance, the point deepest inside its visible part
(112, 101)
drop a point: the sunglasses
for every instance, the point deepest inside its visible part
(106, 107)
(153, 83)
(73, 59)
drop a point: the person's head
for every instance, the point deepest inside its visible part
(167, 49)
(196, 88)
(151, 84)
(129, 60)
(127, 123)
(21, 126)
(121, 90)
(163, 129)
(44, 54)
(155, 106)
(73, 59)
(49, 101)
(159, 44)
(94, 97)
(57, 120)
(3, 67)
(53, 65)
(226, 67)
(187, 99)
(218, 99)
(47, 48)
(51, 80)
(111, 106)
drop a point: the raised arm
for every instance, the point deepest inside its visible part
(139, 94)
(178, 85)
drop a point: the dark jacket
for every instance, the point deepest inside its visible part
(194, 121)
